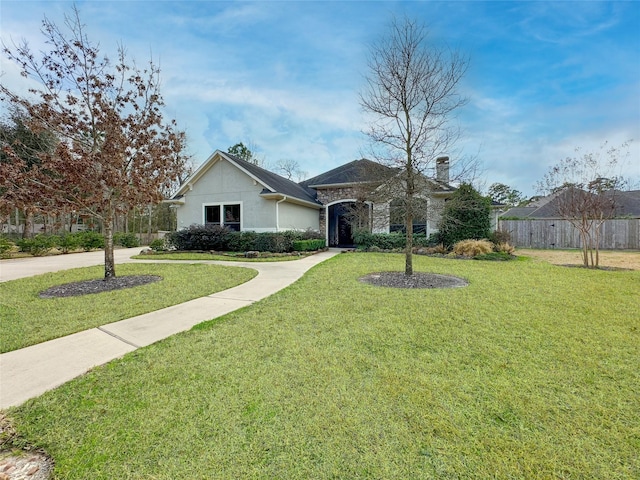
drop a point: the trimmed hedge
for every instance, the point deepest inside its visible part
(308, 245)
(386, 241)
(221, 239)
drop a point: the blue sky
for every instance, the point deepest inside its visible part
(284, 77)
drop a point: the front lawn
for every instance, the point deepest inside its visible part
(530, 372)
(27, 319)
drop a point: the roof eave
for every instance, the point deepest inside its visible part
(339, 185)
(290, 199)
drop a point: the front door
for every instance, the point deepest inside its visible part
(340, 232)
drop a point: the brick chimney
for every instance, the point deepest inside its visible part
(442, 169)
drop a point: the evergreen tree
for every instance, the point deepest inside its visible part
(465, 216)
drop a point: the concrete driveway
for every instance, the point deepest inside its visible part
(12, 269)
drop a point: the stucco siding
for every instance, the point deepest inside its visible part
(223, 183)
(297, 217)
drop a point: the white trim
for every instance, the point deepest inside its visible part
(222, 204)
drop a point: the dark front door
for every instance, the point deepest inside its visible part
(340, 234)
(345, 239)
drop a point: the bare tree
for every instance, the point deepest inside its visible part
(585, 189)
(411, 93)
(290, 169)
(114, 150)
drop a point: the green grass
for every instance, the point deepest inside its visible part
(530, 372)
(27, 319)
(230, 257)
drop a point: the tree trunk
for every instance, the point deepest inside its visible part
(109, 263)
(408, 259)
(28, 225)
(408, 256)
(150, 209)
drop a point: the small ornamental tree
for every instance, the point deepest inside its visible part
(585, 189)
(465, 216)
(114, 150)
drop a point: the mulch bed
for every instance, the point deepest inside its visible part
(417, 280)
(98, 286)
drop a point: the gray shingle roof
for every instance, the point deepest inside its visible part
(358, 171)
(627, 204)
(276, 183)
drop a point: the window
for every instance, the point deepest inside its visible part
(212, 214)
(232, 217)
(397, 212)
(225, 215)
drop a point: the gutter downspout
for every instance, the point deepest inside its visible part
(284, 197)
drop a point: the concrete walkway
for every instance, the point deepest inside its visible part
(31, 371)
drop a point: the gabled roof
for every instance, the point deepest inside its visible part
(358, 171)
(273, 183)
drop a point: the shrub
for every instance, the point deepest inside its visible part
(241, 241)
(68, 242)
(38, 245)
(5, 247)
(90, 240)
(215, 237)
(308, 245)
(128, 240)
(504, 248)
(383, 241)
(500, 236)
(440, 249)
(471, 248)
(273, 242)
(200, 237)
(158, 245)
(365, 240)
(310, 234)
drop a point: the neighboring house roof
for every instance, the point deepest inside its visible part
(519, 212)
(627, 204)
(274, 184)
(358, 171)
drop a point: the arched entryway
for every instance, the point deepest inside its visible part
(343, 218)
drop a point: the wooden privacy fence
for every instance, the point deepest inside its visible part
(618, 234)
